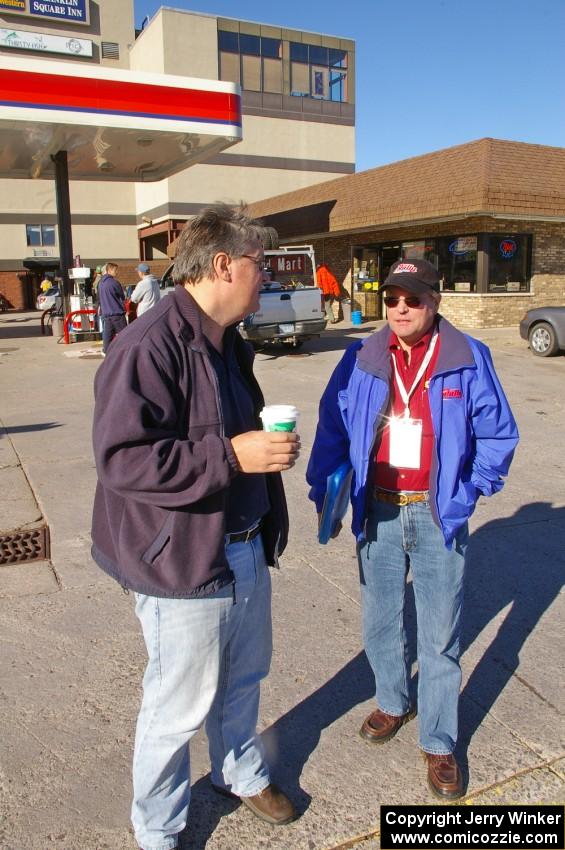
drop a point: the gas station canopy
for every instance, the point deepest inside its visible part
(114, 124)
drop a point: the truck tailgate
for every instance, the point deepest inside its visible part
(284, 305)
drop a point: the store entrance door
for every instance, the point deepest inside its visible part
(388, 254)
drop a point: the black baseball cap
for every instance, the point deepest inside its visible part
(417, 276)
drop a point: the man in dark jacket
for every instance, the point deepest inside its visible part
(189, 511)
(111, 298)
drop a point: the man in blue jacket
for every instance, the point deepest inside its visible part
(189, 512)
(111, 297)
(419, 413)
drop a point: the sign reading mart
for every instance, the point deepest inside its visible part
(43, 43)
(74, 11)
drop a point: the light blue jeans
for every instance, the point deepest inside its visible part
(399, 538)
(206, 659)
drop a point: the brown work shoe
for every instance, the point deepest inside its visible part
(444, 776)
(380, 727)
(270, 804)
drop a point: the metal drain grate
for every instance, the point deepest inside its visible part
(16, 547)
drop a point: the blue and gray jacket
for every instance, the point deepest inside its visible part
(474, 429)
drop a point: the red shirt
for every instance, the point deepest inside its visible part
(392, 477)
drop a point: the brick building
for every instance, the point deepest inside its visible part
(489, 214)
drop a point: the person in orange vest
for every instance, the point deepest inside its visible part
(331, 290)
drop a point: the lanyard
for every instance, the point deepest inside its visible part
(406, 396)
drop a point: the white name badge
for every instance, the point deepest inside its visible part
(405, 442)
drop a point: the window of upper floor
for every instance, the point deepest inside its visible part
(319, 72)
(253, 61)
(40, 235)
(256, 63)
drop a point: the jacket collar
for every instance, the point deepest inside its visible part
(454, 352)
(191, 328)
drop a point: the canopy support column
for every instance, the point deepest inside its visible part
(64, 222)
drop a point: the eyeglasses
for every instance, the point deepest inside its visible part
(410, 301)
(259, 261)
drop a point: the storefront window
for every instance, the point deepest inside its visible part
(509, 263)
(423, 249)
(365, 269)
(457, 263)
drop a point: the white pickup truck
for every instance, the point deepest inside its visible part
(291, 306)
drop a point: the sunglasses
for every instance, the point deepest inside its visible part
(410, 301)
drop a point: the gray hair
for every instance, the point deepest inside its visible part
(214, 230)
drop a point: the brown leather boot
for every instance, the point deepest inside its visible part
(270, 804)
(379, 727)
(444, 776)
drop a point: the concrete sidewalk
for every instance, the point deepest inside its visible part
(72, 655)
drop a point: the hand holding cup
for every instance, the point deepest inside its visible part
(274, 449)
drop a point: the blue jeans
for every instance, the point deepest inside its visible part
(399, 538)
(206, 660)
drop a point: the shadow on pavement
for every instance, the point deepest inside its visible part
(288, 745)
(293, 738)
(23, 429)
(206, 811)
(332, 339)
(20, 326)
(516, 562)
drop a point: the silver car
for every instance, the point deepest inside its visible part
(544, 328)
(46, 300)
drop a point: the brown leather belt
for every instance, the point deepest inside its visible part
(244, 536)
(400, 498)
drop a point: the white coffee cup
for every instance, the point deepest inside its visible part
(279, 417)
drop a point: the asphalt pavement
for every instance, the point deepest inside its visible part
(72, 655)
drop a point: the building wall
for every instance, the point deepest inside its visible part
(469, 311)
(102, 216)
(279, 152)
(147, 53)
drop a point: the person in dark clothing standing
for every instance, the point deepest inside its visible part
(111, 297)
(189, 513)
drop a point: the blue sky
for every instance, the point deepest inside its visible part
(433, 73)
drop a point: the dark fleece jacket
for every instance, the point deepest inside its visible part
(164, 465)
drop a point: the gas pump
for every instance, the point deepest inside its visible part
(79, 275)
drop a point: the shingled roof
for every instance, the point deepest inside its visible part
(486, 176)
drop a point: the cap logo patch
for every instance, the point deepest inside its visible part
(403, 268)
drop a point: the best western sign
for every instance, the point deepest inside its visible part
(69, 11)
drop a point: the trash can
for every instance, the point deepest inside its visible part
(57, 326)
(356, 317)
